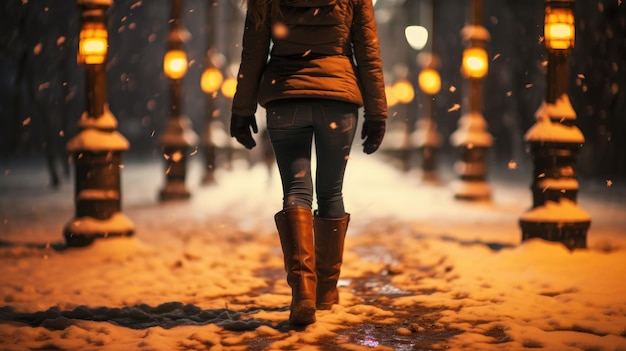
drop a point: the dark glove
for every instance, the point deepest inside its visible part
(240, 130)
(373, 133)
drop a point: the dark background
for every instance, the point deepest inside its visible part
(42, 87)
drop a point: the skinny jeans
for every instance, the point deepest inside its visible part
(293, 125)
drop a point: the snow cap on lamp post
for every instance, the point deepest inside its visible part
(559, 26)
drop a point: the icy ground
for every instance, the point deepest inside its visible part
(421, 271)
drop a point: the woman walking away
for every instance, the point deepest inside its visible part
(324, 64)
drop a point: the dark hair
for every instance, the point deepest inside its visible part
(259, 10)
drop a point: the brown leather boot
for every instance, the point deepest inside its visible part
(330, 235)
(296, 238)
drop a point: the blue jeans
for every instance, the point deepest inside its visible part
(292, 125)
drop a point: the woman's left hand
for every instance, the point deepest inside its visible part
(240, 130)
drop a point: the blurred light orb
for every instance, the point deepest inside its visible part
(475, 62)
(429, 81)
(175, 64)
(403, 91)
(229, 87)
(211, 80)
(391, 98)
(416, 36)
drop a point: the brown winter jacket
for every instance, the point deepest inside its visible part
(320, 49)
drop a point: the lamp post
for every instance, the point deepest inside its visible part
(554, 142)
(97, 148)
(471, 136)
(210, 82)
(178, 136)
(426, 138)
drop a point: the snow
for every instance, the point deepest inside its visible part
(98, 140)
(475, 32)
(98, 134)
(546, 130)
(206, 274)
(95, 2)
(118, 223)
(472, 131)
(564, 210)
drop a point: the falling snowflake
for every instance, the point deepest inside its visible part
(135, 5)
(454, 107)
(37, 48)
(280, 30)
(452, 89)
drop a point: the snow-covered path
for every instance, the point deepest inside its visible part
(206, 274)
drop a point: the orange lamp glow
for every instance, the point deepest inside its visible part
(403, 91)
(429, 81)
(175, 64)
(559, 28)
(475, 62)
(93, 43)
(211, 80)
(391, 98)
(229, 87)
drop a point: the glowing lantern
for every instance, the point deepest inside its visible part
(391, 98)
(429, 81)
(403, 91)
(211, 80)
(475, 62)
(559, 28)
(93, 43)
(175, 64)
(229, 87)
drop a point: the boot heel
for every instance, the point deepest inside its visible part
(302, 313)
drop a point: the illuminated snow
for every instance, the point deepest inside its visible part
(192, 269)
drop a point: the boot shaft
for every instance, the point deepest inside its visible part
(330, 234)
(295, 229)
